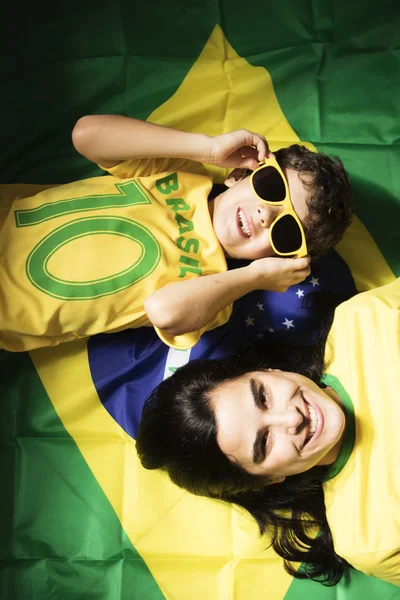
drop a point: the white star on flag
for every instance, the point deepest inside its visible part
(260, 336)
(288, 324)
(260, 306)
(271, 330)
(300, 293)
(249, 321)
(314, 281)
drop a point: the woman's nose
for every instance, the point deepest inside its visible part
(290, 419)
(267, 213)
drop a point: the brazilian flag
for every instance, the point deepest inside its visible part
(80, 518)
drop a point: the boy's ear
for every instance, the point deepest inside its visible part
(235, 176)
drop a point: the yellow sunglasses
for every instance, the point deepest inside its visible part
(286, 232)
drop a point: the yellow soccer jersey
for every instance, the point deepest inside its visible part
(81, 258)
(363, 499)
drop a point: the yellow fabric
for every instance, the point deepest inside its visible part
(80, 259)
(189, 543)
(363, 500)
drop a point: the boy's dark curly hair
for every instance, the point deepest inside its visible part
(329, 201)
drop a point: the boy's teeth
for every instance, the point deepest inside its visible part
(243, 224)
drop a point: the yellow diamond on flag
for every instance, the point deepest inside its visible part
(223, 92)
(194, 547)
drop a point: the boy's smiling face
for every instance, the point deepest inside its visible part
(242, 221)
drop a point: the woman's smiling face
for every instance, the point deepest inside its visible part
(277, 423)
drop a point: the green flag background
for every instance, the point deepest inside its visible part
(335, 68)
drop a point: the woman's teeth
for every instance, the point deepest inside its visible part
(243, 223)
(313, 421)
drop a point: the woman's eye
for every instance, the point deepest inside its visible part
(264, 444)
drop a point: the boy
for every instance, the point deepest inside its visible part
(127, 250)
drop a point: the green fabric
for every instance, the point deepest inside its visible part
(354, 585)
(60, 538)
(335, 69)
(350, 432)
(339, 90)
(334, 66)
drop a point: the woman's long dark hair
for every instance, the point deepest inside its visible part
(178, 434)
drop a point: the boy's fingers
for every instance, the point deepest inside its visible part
(259, 143)
(302, 275)
(248, 152)
(248, 157)
(263, 150)
(249, 163)
(301, 263)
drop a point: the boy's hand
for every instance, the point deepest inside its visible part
(278, 274)
(240, 148)
(209, 294)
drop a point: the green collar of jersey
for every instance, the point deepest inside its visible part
(350, 431)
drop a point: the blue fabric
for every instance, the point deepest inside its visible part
(127, 366)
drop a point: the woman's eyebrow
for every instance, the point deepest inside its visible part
(258, 451)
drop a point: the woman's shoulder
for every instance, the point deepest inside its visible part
(362, 324)
(362, 501)
(387, 296)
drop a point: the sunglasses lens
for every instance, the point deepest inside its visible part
(269, 185)
(286, 234)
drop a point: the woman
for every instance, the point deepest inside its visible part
(301, 451)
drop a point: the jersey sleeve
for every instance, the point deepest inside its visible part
(190, 339)
(145, 167)
(362, 501)
(383, 565)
